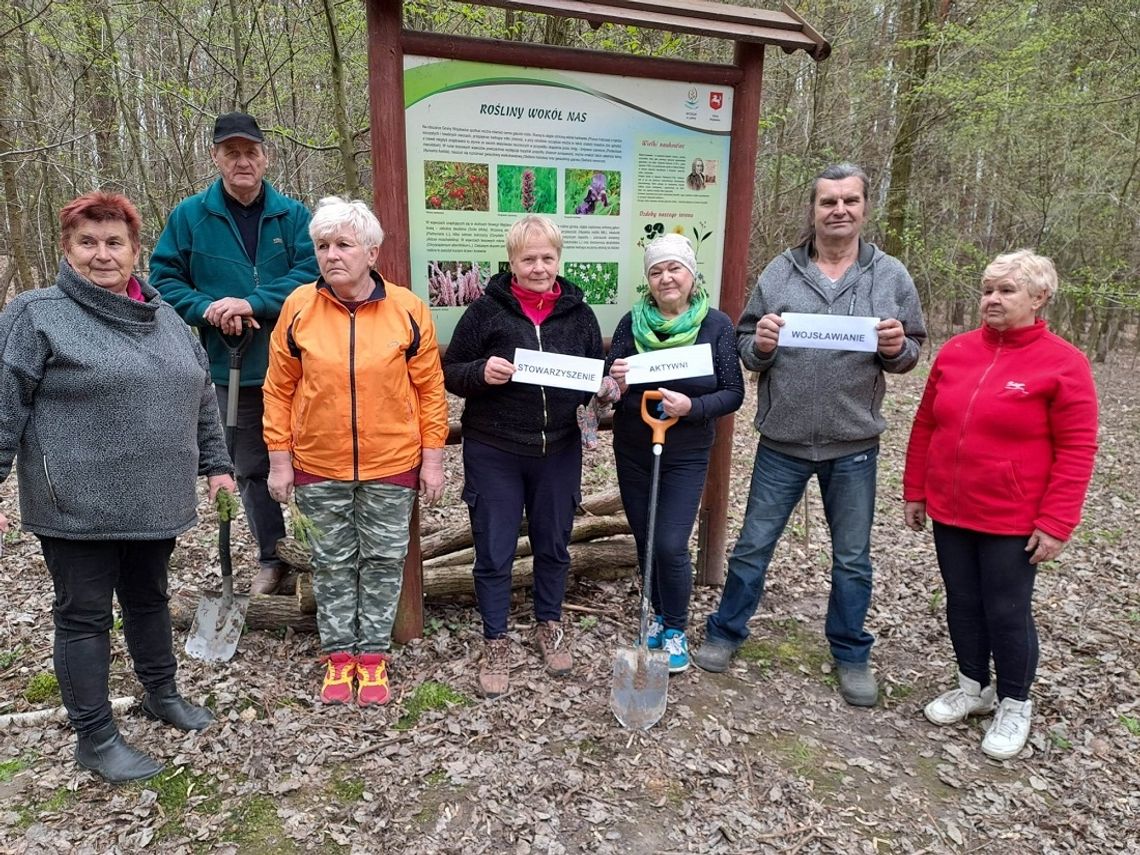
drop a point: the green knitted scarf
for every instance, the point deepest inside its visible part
(649, 324)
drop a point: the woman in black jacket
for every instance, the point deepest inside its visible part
(521, 442)
(674, 313)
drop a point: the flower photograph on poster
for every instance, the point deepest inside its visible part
(455, 186)
(598, 279)
(456, 283)
(593, 191)
(527, 189)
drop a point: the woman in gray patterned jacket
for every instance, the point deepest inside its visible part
(107, 407)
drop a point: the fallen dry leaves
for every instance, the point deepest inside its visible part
(765, 758)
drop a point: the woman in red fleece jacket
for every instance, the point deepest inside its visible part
(1000, 456)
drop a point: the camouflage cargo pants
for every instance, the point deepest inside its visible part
(358, 560)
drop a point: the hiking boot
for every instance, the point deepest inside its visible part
(713, 656)
(554, 646)
(340, 670)
(968, 699)
(165, 704)
(677, 646)
(267, 581)
(495, 671)
(372, 679)
(656, 632)
(1009, 729)
(857, 684)
(108, 755)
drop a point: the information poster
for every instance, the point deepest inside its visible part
(615, 161)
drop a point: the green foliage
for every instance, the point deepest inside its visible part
(347, 790)
(935, 604)
(587, 623)
(10, 657)
(174, 788)
(429, 695)
(10, 768)
(303, 529)
(1059, 740)
(540, 198)
(598, 279)
(226, 504)
(255, 827)
(1131, 724)
(584, 188)
(454, 186)
(42, 687)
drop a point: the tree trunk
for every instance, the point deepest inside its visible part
(265, 612)
(600, 560)
(916, 16)
(13, 211)
(340, 109)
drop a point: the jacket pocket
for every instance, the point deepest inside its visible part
(1010, 480)
(50, 485)
(471, 499)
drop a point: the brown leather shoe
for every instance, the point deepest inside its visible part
(267, 581)
(555, 647)
(495, 672)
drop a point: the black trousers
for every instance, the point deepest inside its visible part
(497, 487)
(989, 611)
(251, 462)
(86, 573)
(678, 500)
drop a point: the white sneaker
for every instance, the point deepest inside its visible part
(1009, 730)
(968, 699)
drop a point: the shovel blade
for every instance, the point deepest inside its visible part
(217, 627)
(640, 688)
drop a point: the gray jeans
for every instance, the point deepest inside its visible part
(251, 461)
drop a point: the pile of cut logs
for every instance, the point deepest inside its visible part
(601, 547)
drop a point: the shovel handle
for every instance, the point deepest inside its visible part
(659, 426)
(237, 346)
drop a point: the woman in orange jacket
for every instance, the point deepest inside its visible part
(355, 423)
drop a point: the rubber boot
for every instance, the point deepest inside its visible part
(165, 704)
(108, 755)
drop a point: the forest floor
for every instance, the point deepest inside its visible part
(764, 758)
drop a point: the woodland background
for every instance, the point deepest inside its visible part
(986, 125)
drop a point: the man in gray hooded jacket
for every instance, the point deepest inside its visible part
(819, 413)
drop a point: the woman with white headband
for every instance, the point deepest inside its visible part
(674, 313)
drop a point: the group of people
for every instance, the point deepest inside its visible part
(111, 406)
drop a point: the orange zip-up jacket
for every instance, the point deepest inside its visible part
(354, 396)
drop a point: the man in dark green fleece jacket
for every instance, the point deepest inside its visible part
(228, 257)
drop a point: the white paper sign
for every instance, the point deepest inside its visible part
(670, 363)
(829, 332)
(557, 369)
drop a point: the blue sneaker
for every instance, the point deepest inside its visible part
(656, 630)
(677, 646)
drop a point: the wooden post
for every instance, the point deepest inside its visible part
(390, 202)
(734, 288)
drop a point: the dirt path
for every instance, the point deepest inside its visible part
(765, 758)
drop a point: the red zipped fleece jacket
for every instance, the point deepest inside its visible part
(1004, 439)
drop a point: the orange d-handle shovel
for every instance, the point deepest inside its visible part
(641, 676)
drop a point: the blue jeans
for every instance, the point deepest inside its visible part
(778, 482)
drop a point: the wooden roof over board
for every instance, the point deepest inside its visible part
(785, 29)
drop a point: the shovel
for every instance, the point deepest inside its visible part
(218, 623)
(641, 676)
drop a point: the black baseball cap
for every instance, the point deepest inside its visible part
(230, 125)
